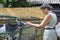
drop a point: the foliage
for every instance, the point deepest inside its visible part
(18, 3)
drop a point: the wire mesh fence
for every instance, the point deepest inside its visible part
(24, 33)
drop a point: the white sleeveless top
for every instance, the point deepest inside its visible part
(53, 20)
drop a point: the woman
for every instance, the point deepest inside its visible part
(48, 23)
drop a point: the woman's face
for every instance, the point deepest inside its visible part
(45, 10)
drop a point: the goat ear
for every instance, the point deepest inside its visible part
(1, 25)
(21, 24)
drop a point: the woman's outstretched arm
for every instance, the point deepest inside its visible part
(42, 24)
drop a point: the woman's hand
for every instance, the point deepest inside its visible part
(28, 23)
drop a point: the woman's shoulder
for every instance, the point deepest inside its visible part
(51, 13)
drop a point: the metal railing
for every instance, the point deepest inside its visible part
(24, 33)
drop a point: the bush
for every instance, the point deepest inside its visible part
(18, 3)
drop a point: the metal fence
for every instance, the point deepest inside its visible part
(24, 33)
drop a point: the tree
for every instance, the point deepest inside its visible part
(1, 1)
(20, 3)
(15, 3)
(6, 4)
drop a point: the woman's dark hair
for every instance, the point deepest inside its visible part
(45, 8)
(46, 5)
